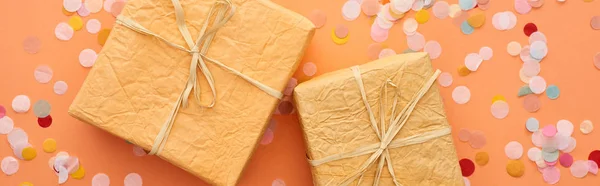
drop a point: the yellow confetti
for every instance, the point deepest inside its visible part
(102, 36)
(394, 14)
(76, 23)
(422, 16)
(79, 174)
(476, 20)
(454, 10)
(587, 1)
(515, 168)
(339, 41)
(482, 158)
(29, 153)
(498, 98)
(26, 184)
(66, 12)
(463, 71)
(49, 145)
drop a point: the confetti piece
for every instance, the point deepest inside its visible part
(522, 7)
(550, 154)
(6, 125)
(71, 5)
(60, 87)
(410, 26)
(534, 154)
(461, 94)
(513, 48)
(476, 20)
(278, 182)
(2, 111)
(292, 83)
(94, 6)
(499, 109)
(529, 29)
(551, 175)
(515, 168)
(572, 145)
(524, 90)
(498, 98)
(103, 35)
(445, 79)
(373, 50)
(45, 122)
(422, 16)
(433, 48)
(532, 124)
(107, 5)
(538, 50)
(378, 34)
(482, 158)
(593, 167)
(9, 165)
(537, 84)
(63, 175)
(466, 4)
(63, 31)
(441, 9)
(531, 103)
(100, 179)
(341, 31)
(467, 167)
(93, 26)
(43, 74)
(18, 149)
(454, 10)
(417, 6)
(467, 182)
(537, 36)
(76, 23)
(67, 13)
(513, 150)
(580, 168)
(524, 78)
(83, 12)
(32, 45)
(525, 55)
(549, 130)
(486, 53)
(139, 151)
(29, 153)
(466, 28)
(504, 20)
(464, 135)
(309, 69)
(416, 42)
(49, 145)
(477, 140)
(594, 156)
(116, 8)
(350, 10)
(463, 71)
(566, 160)
(595, 22)
(537, 138)
(564, 127)
(586, 127)
(370, 7)
(79, 174)
(285, 107)
(21, 104)
(473, 61)
(386, 53)
(267, 137)
(536, 3)
(318, 17)
(87, 57)
(17, 137)
(133, 179)
(402, 6)
(531, 68)
(41, 108)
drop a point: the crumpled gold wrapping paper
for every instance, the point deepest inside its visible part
(335, 121)
(137, 79)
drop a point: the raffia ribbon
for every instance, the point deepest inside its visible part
(381, 150)
(224, 10)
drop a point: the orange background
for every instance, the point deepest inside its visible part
(571, 42)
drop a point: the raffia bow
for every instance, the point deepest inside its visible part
(386, 137)
(223, 10)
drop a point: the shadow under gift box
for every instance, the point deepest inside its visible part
(137, 79)
(335, 120)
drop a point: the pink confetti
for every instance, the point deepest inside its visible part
(445, 79)
(32, 45)
(531, 68)
(267, 137)
(72, 5)
(116, 8)
(513, 150)
(537, 36)
(108, 4)
(292, 83)
(133, 179)
(433, 48)
(100, 179)
(461, 94)
(378, 34)
(537, 138)
(93, 26)
(386, 53)
(522, 6)
(486, 53)
(549, 131)
(6, 124)
(500, 110)
(580, 168)
(473, 61)
(278, 182)
(2, 111)
(60, 87)
(139, 151)
(87, 57)
(83, 12)
(416, 42)
(94, 6)
(43, 74)
(309, 69)
(551, 175)
(63, 31)
(441, 9)
(593, 166)
(9, 165)
(537, 84)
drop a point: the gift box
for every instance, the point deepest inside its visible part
(381, 123)
(194, 82)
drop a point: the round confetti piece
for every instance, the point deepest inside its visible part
(309, 69)
(525, 79)
(26, 184)
(476, 20)
(318, 17)
(482, 158)
(107, 5)
(87, 57)
(29, 153)
(454, 10)
(594, 156)
(486, 53)
(529, 29)
(133, 179)
(416, 42)
(100, 179)
(351, 10)
(6, 125)
(537, 84)
(76, 23)
(512, 20)
(67, 13)
(45, 122)
(473, 61)
(285, 107)
(402, 5)
(550, 156)
(466, 28)
(433, 48)
(537, 138)
(63, 175)
(531, 68)
(103, 35)
(498, 98)
(477, 140)
(32, 45)
(410, 26)
(62, 153)
(513, 150)
(566, 160)
(593, 167)
(532, 124)
(386, 53)
(41, 108)
(278, 182)
(63, 31)
(370, 7)
(549, 131)
(538, 50)
(339, 41)
(441, 9)
(373, 50)
(94, 6)
(522, 6)
(43, 74)
(445, 79)
(536, 3)
(72, 5)
(464, 135)
(537, 36)
(9, 165)
(341, 31)
(49, 145)
(267, 137)
(60, 87)
(417, 6)
(378, 34)
(586, 127)
(116, 8)
(461, 94)
(139, 151)
(83, 12)
(467, 167)
(422, 16)
(513, 48)
(466, 4)
(534, 154)
(2, 111)
(500, 109)
(572, 145)
(21, 104)
(524, 90)
(466, 181)
(515, 168)
(551, 175)
(531, 103)
(463, 71)
(18, 149)
(93, 26)
(580, 168)
(17, 137)
(595, 22)
(564, 127)
(79, 174)
(292, 83)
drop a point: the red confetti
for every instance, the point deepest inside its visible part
(595, 156)
(466, 167)
(529, 29)
(45, 122)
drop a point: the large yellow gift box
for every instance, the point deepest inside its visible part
(194, 82)
(381, 123)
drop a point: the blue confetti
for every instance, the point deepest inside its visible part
(532, 124)
(552, 92)
(466, 4)
(466, 28)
